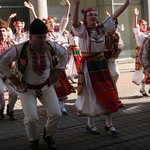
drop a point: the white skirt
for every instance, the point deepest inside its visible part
(71, 70)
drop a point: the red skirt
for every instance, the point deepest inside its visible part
(63, 87)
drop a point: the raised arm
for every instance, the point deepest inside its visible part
(107, 13)
(120, 10)
(65, 19)
(136, 14)
(75, 21)
(68, 9)
(10, 18)
(30, 6)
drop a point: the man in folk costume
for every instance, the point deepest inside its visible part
(36, 72)
(97, 93)
(140, 33)
(6, 43)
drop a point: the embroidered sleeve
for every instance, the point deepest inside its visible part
(7, 58)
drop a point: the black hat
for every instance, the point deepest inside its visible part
(38, 27)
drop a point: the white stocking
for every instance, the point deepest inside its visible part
(90, 121)
(109, 120)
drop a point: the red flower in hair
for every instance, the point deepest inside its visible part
(141, 22)
(84, 12)
(17, 23)
(50, 17)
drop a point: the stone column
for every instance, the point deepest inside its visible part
(40, 7)
(148, 14)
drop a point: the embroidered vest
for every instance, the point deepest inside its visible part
(22, 61)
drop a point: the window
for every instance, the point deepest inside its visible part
(7, 7)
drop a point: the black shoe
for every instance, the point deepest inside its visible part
(92, 131)
(143, 93)
(111, 131)
(49, 141)
(149, 91)
(64, 112)
(11, 116)
(35, 144)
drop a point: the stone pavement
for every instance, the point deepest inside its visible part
(133, 123)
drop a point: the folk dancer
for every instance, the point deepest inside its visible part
(140, 33)
(36, 72)
(97, 93)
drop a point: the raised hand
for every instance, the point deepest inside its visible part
(28, 5)
(31, 7)
(136, 11)
(12, 15)
(107, 13)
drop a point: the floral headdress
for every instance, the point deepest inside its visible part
(19, 22)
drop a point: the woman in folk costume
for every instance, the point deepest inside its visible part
(63, 86)
(97, 94)
(54, 33)
(141, 32)
(19, 35)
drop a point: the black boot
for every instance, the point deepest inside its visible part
(1, 114)
(10, 114)
(49, 141)
(35, 144)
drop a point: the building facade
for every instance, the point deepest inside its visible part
(57, 8)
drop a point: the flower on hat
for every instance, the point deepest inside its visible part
(19, 22)
(49, 18)
(84, 12)
(141, 21)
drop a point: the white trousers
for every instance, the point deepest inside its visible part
(13, 95)
(29, 104)
(113, 69)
